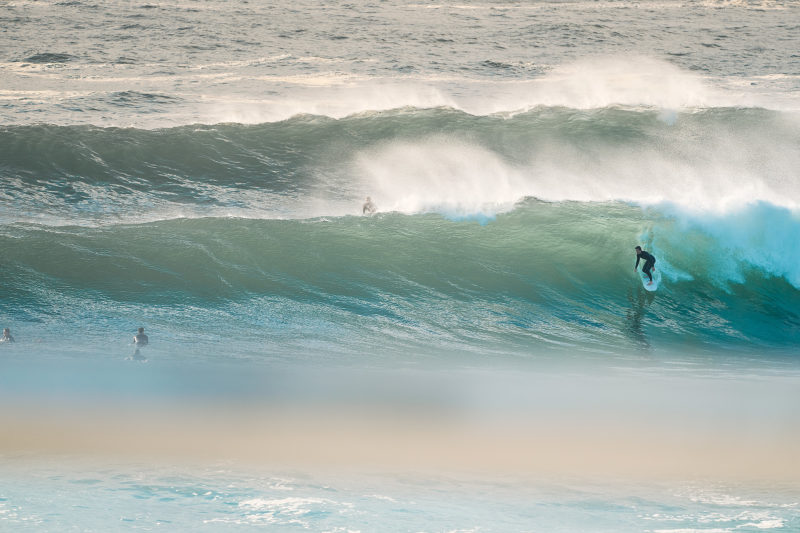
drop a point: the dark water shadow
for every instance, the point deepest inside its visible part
(640, 300)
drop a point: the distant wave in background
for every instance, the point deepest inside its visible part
(409, 160)
(272, 89)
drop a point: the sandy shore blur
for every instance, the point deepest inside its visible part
(417, 441)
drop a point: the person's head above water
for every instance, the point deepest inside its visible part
(638, 249)
(141, 330)
(6, 331)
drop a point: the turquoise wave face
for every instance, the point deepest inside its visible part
(545, 276)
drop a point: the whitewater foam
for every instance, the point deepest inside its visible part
(701, 162)
(589, 83)
(441, 175)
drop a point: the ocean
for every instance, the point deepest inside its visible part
(478, 354)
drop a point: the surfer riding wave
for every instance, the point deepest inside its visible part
(649, 263)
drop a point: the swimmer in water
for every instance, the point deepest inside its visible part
(7, 336)
(140, 340)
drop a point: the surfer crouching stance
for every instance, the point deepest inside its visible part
(649, 262)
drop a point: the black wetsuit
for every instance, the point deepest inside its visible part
(649, 263)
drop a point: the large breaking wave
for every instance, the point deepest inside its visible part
(545, 274)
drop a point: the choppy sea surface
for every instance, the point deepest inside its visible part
(478, 355)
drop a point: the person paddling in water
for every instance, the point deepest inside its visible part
(369, 207)
(649, 263)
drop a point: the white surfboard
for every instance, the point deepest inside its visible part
(646, 281)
